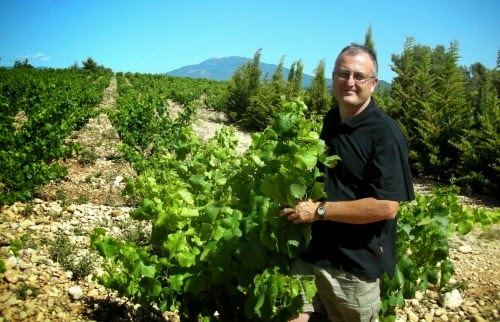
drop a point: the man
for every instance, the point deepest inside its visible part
(354, 230)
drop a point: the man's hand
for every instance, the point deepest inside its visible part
(304, 211)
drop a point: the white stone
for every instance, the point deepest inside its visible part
(440, 312)
(11, 276)
(452, 299)
(68, 274)
(117, 181)
(53, 292)
(12, 262)
(75, 292)
(465, 249)
(412, 316)
(428, 317)
(71, 208)
(93, 293)
(27, 223)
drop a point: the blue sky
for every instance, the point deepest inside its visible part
(160, 36)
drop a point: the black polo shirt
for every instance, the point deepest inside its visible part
(374, 163)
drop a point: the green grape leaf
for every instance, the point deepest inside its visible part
(139, 269)
(176, 242)
(188, 259)
(297, 190)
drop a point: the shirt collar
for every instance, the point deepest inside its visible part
(363, 116)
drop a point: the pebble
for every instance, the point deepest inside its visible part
(11, 276)
(71, 208)
(465, 249)
(117, 181)
(75, 292)
(52, 293)
(452, 299)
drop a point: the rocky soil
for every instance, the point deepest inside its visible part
(33, 237)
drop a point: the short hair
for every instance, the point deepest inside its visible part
(355, 49)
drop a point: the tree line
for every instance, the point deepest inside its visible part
(89, 64)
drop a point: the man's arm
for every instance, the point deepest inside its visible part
(361, 211)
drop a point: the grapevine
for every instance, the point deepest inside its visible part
(215, 226)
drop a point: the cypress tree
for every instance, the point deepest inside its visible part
(369, 40)
(241, 87)
(266, 102)
(452, 114)
(295, 77)
(414, 104)
(429, 102)
(479, 165)
(317, 99)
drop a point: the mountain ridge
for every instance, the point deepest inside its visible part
(222, 68)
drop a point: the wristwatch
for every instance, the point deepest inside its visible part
(321, 211)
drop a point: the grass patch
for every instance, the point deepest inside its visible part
(63, 252)
(24, 290)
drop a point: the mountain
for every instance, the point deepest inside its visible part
(223, 68)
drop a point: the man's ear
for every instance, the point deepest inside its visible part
(374, 84)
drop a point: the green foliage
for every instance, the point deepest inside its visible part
(294, 84)
(24, 290)
(90, 64)
(424, 227)
(62, 251)
(243, 85)
(266, 102)
(272, 287)
(217, 242)
(18, 244)
(479, 146)
(317, 98)
(253, 105)
(263, 106)
(450, 116)
(93, 67)
(23, 64)
(51, 104)
(369, 39)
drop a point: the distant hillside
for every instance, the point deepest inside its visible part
(223, 68)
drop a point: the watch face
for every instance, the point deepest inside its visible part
(321, 210)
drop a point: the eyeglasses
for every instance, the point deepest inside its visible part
(359, 78)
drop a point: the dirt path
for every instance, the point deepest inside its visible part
(35, 287)
(96, 174)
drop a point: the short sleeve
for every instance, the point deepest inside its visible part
(389, 174)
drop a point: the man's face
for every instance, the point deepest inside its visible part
(349, 93)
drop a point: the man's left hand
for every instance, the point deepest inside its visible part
(304, 211)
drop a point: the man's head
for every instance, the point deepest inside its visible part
(355, 76)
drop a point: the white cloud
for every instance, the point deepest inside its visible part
(41, 57)
(38, 57)
(34, 59)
